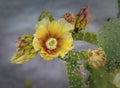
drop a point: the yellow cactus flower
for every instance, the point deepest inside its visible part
(53, 39)
(96, 58)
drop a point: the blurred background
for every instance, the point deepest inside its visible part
(19, 17)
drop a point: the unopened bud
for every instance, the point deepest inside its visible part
(45, 14)
(69, 17)
(83, 18)
(20, 43)
(25, 51)
(23, 41)
(96, 58)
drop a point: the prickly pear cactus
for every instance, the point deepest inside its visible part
(85, 69)
(99, 78)
(76, 76)
(75, 80)
(109, 40)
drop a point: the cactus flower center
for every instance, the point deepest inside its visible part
(51, 43)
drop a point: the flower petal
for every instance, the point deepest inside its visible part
(36, 44)
(63, 21)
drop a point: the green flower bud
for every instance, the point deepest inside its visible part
(45, 14)
(83, 18)
(24, 41)
(25, 50)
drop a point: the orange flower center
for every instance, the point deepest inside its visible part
(51, 43)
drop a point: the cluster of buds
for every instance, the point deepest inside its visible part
(83, 18)
(96, 58)
(25, 49)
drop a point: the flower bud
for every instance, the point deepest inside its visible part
(69, 17)
(20, 43)
(25, 50)
(96, 58)
(83, 18)
(45, 14)
(24, 41)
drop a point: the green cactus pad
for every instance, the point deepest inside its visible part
(109, 40)
(72, 63)
(75, 80)
(87, 36)
(99, 78)
(75, 57)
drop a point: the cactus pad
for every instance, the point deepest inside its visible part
(109, 40)
(87, 36)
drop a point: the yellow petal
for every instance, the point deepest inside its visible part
(36, 44)
(64, 22)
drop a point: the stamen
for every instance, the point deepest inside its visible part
(51, 43)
